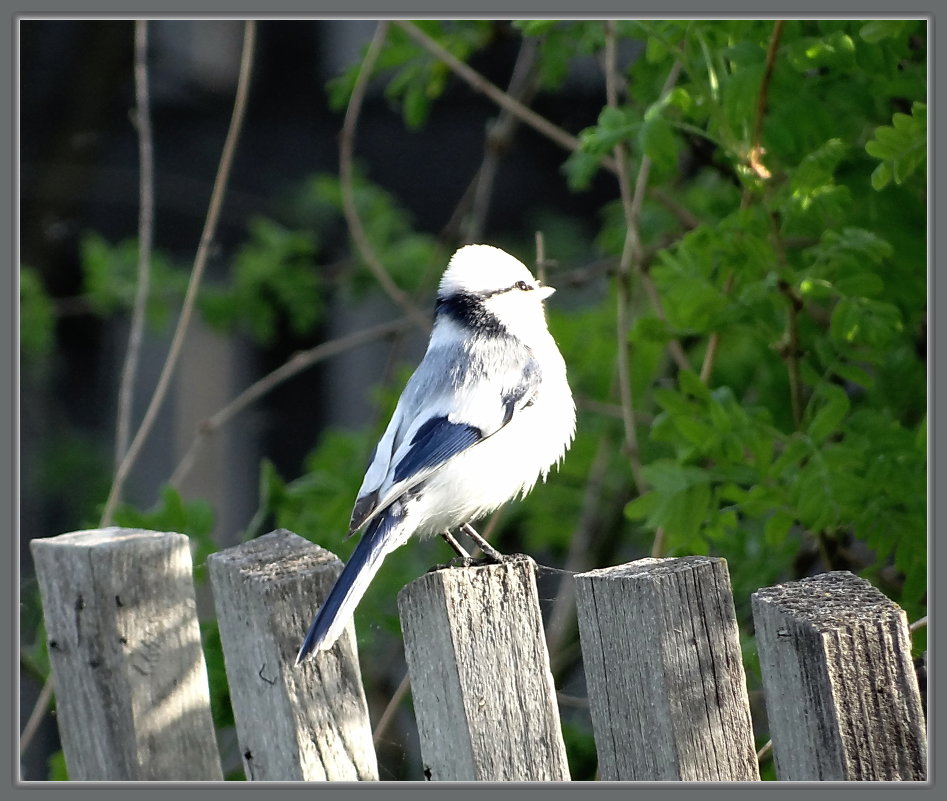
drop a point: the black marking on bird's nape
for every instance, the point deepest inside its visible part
(468, 310)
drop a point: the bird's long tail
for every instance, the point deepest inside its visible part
(376, 543)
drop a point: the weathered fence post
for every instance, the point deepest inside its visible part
(664, 672)
(483, 692)
(306, 723)
(841, 692)
(124, 645)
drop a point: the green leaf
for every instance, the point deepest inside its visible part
(901, 146)
(651, 329)
(658, 141)
(643, 506)
(57, 767)
(580, 168)
(691, 384)
(667, 476)
(867, 322)
(878, 30)
(777, 527)
(535, 27)
(827, 420)
(37, 324)
(854, 374)
(274, 281)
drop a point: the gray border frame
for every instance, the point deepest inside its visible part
(485, 9)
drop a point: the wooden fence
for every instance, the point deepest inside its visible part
(661, 650)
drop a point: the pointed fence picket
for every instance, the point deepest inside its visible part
(661, 650)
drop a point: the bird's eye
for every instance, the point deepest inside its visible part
(522, 285)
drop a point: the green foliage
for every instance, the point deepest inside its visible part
(110, 275)
(74, 473)
(407, 255)
(275, 278)
(57, 767)
(580, 751)
(173, 513)
(220, 708)
(729, 463)
(901, 147)
(561, 43)
(414, 78)
(37, 323)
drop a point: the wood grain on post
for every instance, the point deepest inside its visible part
(664, 672)
(305, 723)
(841, 691)
(483, 692)
(132, 699)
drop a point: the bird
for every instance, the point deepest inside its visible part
(486, 414)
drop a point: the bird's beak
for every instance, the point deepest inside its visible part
(545, 291)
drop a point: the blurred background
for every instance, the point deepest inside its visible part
(437, 165)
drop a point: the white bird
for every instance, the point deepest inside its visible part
(485, 415)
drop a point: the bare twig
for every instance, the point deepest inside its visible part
(577, 560)
(36, 716)
(574, 701)
(791, 351)
(200, 262)
(522, 88)
(633, 252)
(756, 149)
(920, 623)
(657, 547)
(295, 365)
(536, 121)
(145, 236)
(764, 751)
(389, 714)
(684, 215)
(346, 178)
(630, 250)
(713, 343)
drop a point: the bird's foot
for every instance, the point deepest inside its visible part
(483, 561)
(491, 553)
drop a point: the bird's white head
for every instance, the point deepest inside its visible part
(485, 277)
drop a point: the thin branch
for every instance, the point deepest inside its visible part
(145, 237)
(764, 751)
(633, 252)
(791, 350)
(684, 215)
(713, 344)
(295, 365)
(541, 263)
(630, 250)
(657, 547)
(756, 148)
(563, 611)
(36, 716)
(480, 84)
(522, 88)
(389, 714)
(920, 623)
(641, 184)
(200, 262)
(346, 178)
(574, 701)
